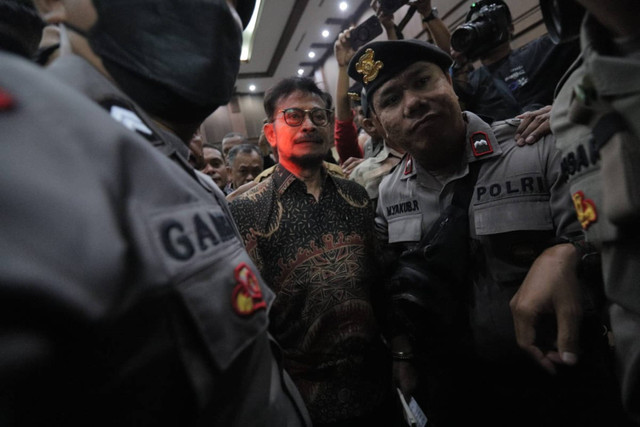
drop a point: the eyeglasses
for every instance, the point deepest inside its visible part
(295, 116)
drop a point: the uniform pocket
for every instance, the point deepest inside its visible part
(407, 228)
(531, 214)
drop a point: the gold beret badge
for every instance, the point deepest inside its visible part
(368, 67)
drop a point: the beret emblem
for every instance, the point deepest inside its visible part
(368, 67)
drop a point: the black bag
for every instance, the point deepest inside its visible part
(430, 286)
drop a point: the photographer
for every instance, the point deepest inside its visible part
(510, 82)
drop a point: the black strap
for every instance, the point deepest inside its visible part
(465, 186)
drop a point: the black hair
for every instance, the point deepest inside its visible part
(242, 148)
(20, 27)
(289, 85)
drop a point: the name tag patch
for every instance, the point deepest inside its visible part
(403, 207)
(526, 185)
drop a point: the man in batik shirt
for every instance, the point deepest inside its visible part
(311, 235)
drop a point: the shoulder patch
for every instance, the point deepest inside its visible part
(408, 168)
(247, 295)
(585, 209)
(480, 144)
(6, 100)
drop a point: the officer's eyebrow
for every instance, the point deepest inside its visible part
(414, 70)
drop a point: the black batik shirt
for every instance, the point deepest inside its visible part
(318, 257)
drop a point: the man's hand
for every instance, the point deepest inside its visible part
(386, 20)
(551, 289)
(349, 165)
(422, 6)
(534, 125)
(342, 48)
(405, 377)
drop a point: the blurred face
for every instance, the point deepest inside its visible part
(246, 166)
(419, 111)
(215, 166)
(196, 158)
(299, 146)
(229, 143)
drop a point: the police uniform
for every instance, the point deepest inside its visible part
(519, 207)
(127, 295)
(607, 83)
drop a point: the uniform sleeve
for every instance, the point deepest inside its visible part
(346, 140)
(562, 210)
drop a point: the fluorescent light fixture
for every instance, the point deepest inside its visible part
(312, 54)
(344, 5)
(325, 33)
(248, 33)
(252, 88)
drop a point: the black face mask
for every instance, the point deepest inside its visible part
(178, 59)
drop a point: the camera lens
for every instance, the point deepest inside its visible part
(463, 38)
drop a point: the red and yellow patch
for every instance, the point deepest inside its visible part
(585, 208)
(247, 295)
(6, 100)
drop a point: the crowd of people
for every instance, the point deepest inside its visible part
(469, 255)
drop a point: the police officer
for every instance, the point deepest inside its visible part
(462, 174)
(596, 122)
(127, 295)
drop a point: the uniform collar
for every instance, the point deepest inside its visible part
(385, 153)
(78, 73)
(481, 143)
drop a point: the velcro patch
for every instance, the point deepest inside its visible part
(6, 101)
(585, 209)
(480, 144)
(247, 295)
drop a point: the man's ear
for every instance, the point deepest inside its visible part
(368, 125)
(270, 133)
(51, 11)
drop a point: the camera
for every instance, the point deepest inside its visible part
(488, 25)
(365, 32)
(390, 6)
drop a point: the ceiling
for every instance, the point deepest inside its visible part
(285, 33)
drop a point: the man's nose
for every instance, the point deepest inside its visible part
(414, 102)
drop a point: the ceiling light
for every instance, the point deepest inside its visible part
(325, 33)
(312, 54)
(252, 88)
(300, 71)
(344, 5)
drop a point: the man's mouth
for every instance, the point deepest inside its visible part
(313, 140)
(426, 120)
